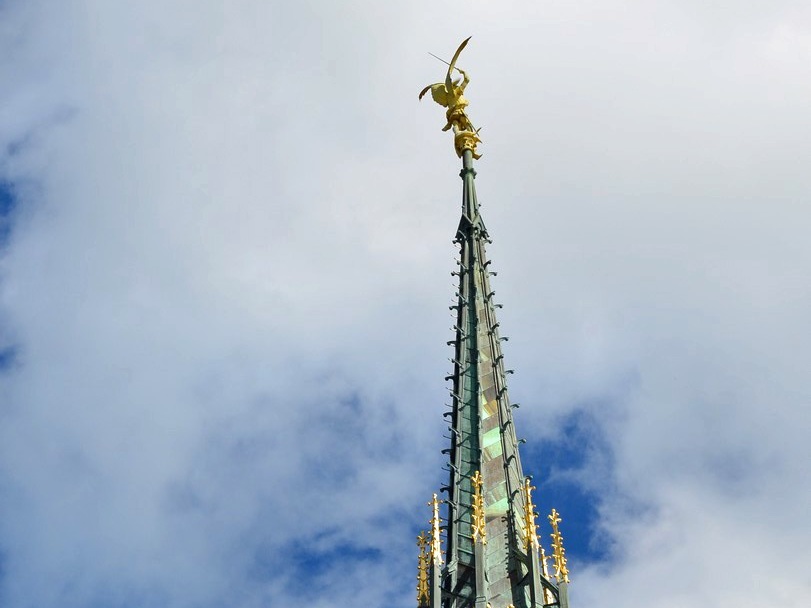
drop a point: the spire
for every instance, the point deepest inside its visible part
(493, 558)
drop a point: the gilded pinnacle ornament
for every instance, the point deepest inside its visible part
(558, 552)
(422, 571)
(436, 549)
(479, 529)
(531, 540)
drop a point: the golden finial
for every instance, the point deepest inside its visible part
(450, 94)
(531, 538)
(422, 570)
(436, 549)
(479, 529)
(559, 553)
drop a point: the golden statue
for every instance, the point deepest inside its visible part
(450, 94)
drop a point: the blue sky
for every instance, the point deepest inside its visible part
(225, 273)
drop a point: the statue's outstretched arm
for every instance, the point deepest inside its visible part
(465, 80)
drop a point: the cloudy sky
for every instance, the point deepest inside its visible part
(225, 254)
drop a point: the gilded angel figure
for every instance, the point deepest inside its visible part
(451, 95)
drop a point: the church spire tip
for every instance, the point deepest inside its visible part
(492, 555)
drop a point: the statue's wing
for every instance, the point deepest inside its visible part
(425, 90)
(438, 93)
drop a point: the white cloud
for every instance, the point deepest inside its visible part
(230, 259)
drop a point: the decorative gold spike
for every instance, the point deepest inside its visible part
(479, 528)
(422, 570)
(436, 548)
(559, 553)
(531, 537)
(531, 540)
